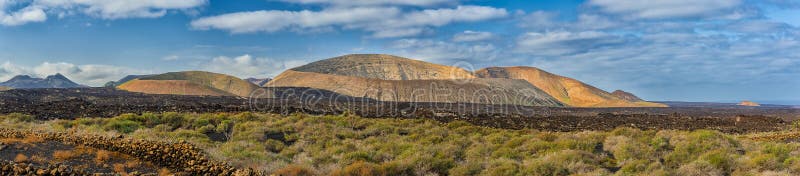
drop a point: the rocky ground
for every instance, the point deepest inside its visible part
(107, 102)
(130, 156)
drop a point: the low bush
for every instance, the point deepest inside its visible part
(122, 126)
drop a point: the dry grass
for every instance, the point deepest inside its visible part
(25, 140)
(39, 159)
(164, 172)
(102, 156)
(293, 170)
(21, 158)
(119, 168)
(63, 155)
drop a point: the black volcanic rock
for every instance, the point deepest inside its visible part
(258, 82)
(52, 81)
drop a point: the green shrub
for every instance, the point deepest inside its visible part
(122, 126)
(174, 120)
(469, 168)
(565, 162)
(699, 168)
(274, 145)
(358, 169)
(721, 159)
(625, 148)
(18, 117)
(502, 167)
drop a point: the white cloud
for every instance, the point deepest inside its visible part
(93, 75)
(37, 10)
(118, 9)
(246, 66)
(564, 42)
(373, 2)
(381, 21)
(400, 32)
(23, 16)
(171, 58)
(275, 20)
(437, 51)
(471, 36)
(662, 9)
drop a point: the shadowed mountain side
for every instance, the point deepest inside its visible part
(484, 91)
(190, 83)
(386, 67)
(626, 95)
(567, 90)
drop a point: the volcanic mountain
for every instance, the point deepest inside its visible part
(392, 78)
(748, 103)
(190, 83)
(385, 67)
(52, 81)
(476, 90)
(567, 90)
(626, 95)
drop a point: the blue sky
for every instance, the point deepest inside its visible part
(689, 50)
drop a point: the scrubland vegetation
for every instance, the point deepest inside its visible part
(302, 144)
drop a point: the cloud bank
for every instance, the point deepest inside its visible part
(382, 22)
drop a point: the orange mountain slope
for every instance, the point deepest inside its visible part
(567, 90)
(385, 67)
(191, 83)
(626, 95)
(486, 91)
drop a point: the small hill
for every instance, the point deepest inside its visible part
(52, 81)
(748, 103)
(626, 95)
(191, 83)
(4, 88)
(385, 67)
(567, 90)
(476, 90)
(257, 81)
(124, 80)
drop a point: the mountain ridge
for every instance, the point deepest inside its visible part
(51, 81)
(567, 90)
(190, 83)
(384, 66)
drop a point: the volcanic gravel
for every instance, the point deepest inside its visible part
(108, 102)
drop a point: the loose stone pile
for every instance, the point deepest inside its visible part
(182, 156)
(11, 168)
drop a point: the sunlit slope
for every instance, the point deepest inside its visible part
(487, 91)
(626, 95)
(191, 83)
(386, 67)
(567, 90)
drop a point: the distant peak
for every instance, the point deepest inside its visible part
(56, 76)
(22, 77)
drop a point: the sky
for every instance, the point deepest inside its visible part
(678, 50)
